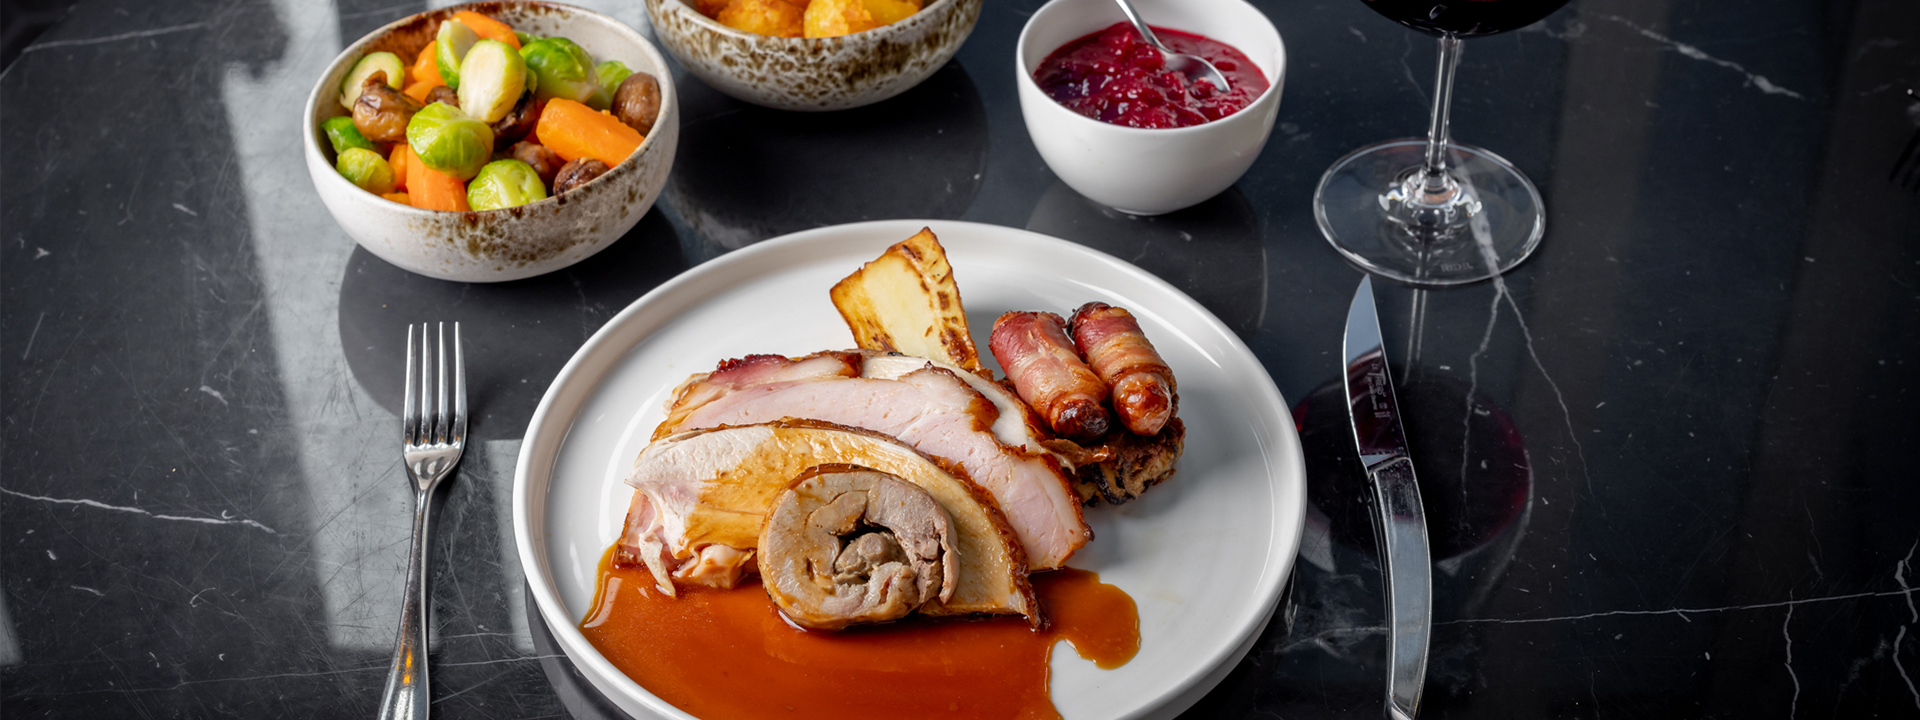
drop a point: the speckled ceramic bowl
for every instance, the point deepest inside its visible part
(815, 73)
(510, 243)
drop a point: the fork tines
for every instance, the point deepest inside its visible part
(427, 377)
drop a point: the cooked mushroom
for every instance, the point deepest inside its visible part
(382, 113)
(637, 102)
(443, 94)
(577, 173)
(517, 124)
(545, 162)
(847, 545)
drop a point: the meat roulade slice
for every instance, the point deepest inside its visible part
(931, 409)
(701, 498)
(848, 545)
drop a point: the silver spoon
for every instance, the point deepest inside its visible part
(1193, 67)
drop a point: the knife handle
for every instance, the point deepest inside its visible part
(1401, 520)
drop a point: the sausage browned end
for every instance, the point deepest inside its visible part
(1049, 375)
(1144, 393)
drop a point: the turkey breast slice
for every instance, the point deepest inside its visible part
(934, 411)
(704, 490)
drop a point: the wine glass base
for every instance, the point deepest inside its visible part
(1493, 226)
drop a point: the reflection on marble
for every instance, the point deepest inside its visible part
(515, 343)
(750, 173)
(1476, 485)
(1211, 251)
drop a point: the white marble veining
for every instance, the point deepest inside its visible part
(225, 520)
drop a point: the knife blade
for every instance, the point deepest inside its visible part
(1399, 521)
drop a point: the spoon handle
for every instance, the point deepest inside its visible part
(1141, 25)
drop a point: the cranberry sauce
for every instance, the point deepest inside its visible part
(1114, 76)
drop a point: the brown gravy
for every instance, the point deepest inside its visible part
(728, 654)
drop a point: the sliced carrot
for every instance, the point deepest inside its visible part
(398, 197)
(425, 67)
(573, 131)
(434, 190)
(398, 160)
(487, 27)
(418, 91)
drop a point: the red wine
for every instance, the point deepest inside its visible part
(1465, 18)
(1475, 479)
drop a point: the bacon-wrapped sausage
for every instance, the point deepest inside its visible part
(1143, 387)
(1034, 349)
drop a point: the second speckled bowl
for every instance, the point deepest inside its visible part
(814, 73)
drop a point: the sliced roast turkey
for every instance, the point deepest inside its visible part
(933, 409)
(702, 498)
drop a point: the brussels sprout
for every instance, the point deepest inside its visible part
(366, 169)
(611, 73)
(343, 135)
(450, 141)
(504, 184)
(564, 69)
(386, 62)
(451, 45)
(494, 79)
(524, 38)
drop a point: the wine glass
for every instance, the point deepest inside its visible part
(1435, 212)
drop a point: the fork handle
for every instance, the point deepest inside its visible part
(406, 696)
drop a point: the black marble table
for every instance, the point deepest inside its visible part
(1670, 457)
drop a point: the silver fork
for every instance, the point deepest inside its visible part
(432, 443)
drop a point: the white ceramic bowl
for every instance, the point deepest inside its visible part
(1148, 171)
(833, 73)
(509, 243)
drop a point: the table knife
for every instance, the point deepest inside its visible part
(1399, 522)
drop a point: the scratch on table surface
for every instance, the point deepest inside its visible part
(113, 38)
(139, 511)
(34, 334)
(84, 588)
(1684, 612)
(376, 11)
(497, 661)
(216, 395)
(1759, 81)
(1346, 632)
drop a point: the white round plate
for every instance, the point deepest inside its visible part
(1203, 555)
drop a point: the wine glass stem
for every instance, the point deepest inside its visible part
(1434, 173)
